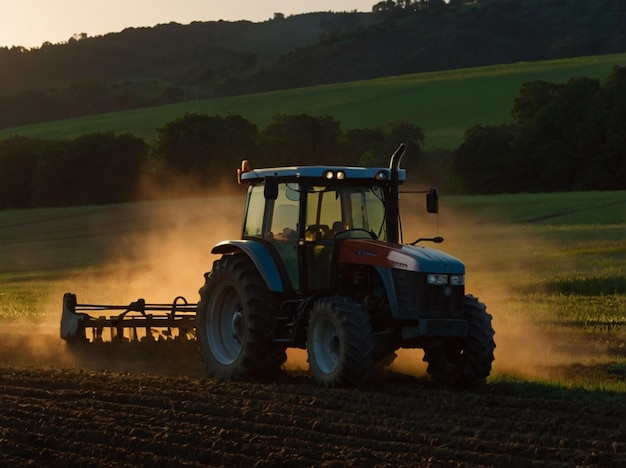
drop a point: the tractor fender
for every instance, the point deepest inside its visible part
(260, 256)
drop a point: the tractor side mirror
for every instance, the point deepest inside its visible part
(432, 201)
(270, 191)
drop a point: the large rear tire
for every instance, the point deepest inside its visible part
(235, 322)
(339, 343)
(465, 363)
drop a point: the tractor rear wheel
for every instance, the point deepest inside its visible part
(465, 363)
(339, 343)
(235, 321)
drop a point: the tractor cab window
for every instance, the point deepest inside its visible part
(253, 218)
(268, 218)
(281, 228)
(348, 211)
(284, 222)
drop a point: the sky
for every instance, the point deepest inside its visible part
(30, 23)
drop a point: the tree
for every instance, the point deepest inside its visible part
(300, 139)
(197, 145)
(108, 167)
(18, 160)
(533, 97)
(54, 177)
(92, 169)
(560, 136)
(484, 161)
(361, 145)
(609, 115)
(564, 137)
(385, 5)
(241, 136)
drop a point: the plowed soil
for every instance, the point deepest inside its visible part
(61, 408)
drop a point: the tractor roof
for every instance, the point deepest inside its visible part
(323, 175)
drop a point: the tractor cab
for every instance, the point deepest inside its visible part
(303, 213)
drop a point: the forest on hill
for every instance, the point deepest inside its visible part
(564, 137)
(143, 67)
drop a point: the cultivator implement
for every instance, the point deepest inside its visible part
(137, 322)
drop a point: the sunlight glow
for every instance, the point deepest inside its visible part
(30, 23)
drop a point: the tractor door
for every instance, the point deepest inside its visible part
(323, 219)
(283, 229)
(276, 221)
(334, 213)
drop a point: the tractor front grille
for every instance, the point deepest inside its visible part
(417, 299)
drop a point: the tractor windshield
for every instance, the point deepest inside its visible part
(345, 211)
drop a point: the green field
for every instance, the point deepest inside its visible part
(550, 267)
(443, 103)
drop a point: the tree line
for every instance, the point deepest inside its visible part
(98, 168)
(563, 137)
(196, 151)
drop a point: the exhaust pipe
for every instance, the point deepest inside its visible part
(393, 197)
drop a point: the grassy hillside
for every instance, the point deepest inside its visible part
(444, 104)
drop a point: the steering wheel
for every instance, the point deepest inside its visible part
(350, 234)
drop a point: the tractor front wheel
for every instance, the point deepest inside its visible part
(235, 321)
(465, 363)
(339, 343)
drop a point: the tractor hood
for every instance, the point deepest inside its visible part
(399, 256)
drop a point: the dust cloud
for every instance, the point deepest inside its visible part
(159, 250)
(498, 260)
(168, 254)
(156, 250)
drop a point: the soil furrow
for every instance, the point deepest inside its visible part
(52, 416)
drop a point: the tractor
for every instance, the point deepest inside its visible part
(321, 266)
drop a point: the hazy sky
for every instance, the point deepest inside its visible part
(30, 23)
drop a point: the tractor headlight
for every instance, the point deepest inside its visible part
(444, 280)
(457, 280)
(339, 175)
(437, 280)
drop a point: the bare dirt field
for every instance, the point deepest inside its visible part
(156, 408)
